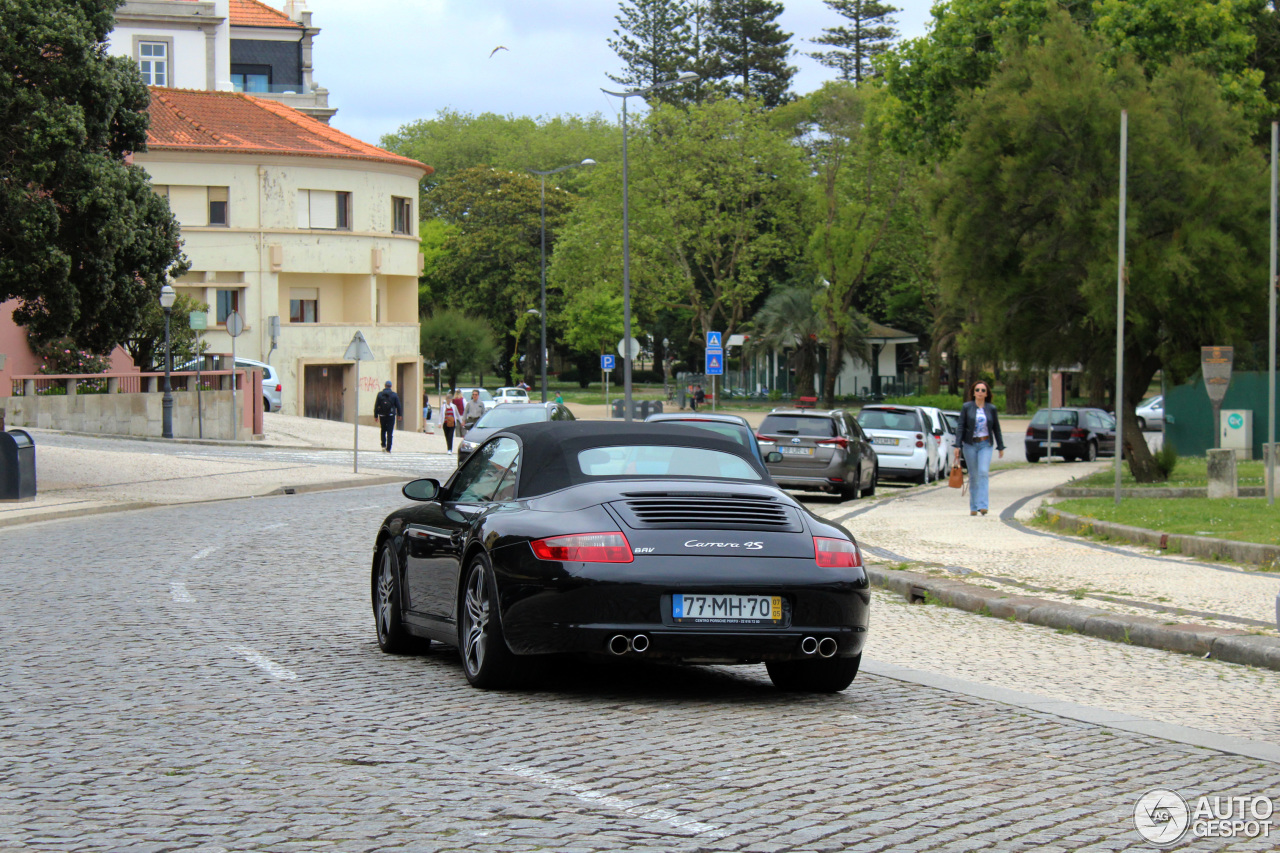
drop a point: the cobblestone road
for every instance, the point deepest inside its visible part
(205, 678)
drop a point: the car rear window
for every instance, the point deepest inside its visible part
(657, 460)
(807, 425)
(1061, 417)
(505, 416)
(733, 431)
(903, 420)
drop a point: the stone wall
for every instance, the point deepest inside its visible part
(128, 414)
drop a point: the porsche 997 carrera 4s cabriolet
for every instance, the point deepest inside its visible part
(659, 541)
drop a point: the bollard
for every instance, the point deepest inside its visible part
(1269, 451)
(1223, 482)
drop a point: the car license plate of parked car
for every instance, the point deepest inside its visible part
(889, 441)
(727, 609)
(796, 451)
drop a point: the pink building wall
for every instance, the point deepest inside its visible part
(20, 361)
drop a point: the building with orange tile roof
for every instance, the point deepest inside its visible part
(308, 233)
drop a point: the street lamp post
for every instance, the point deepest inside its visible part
(687, 77)
(542, 178)
(167, 297)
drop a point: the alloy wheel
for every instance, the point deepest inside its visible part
(475, 620)
(386, 596)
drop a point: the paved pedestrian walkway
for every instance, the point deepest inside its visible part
(932, 526)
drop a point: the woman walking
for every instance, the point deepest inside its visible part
(979, 426)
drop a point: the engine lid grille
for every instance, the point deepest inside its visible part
(699, 513)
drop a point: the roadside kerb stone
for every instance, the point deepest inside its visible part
(1204, 547)
(1222, 644)
(1153, 492)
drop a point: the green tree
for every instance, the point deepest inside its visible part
(655, 42)
(465, 342)
(490, 266)
(747, 50)
(85, 245)
(146, 345)
(789, 320)
(856, 45)
(716, 195)
(1027, 212)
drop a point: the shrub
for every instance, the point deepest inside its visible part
(61, 355)
(1166, 458)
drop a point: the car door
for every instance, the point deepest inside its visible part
(861, 451)
(1104, 426)
(438, 534)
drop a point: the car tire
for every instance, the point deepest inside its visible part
(850, 493)
(1142, 424)
(266, 404)
(922, 478)
(486, 660)
(823, 675)
(1034, 457)
(1091, 451)
(870, 490)
(392, 637)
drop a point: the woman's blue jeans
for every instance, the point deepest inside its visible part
(978, 458)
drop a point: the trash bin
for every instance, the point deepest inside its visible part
(17, 466)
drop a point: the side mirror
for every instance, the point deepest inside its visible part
(425, 489)
(773, 457)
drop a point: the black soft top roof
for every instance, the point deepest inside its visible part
(551, 448)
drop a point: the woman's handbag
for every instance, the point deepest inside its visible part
(957, 478)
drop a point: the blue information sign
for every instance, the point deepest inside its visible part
(713, 342)
(715, 363)
(606, 362)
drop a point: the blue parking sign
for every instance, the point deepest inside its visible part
(606, 362)
(715, 364)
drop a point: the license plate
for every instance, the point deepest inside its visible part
(893, 442)
(796, 451)
(727, 609)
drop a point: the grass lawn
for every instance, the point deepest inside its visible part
(1191, 471)
(1242, 519)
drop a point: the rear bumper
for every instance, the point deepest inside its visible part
(807, 484)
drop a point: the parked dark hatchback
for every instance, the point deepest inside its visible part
(1078, 434)
(822, 451)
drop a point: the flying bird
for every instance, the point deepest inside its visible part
(496, 49)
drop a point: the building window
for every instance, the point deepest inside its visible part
(401, 215)
(227, 301)
(251, 83)
(153, 62)
(324, 209)
(304, 305)
(217, 205)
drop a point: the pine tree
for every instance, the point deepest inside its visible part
(748, 50)
(655, 43)
(868, 35)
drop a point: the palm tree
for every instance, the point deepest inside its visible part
(788, 320)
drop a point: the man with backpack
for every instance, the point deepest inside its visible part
(385, 408)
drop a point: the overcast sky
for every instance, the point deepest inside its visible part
(390, 62)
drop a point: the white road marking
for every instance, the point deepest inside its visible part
(358, 508)
(274, 526)
(201, 554)
(178, 590)
(265, 663)
(655, 813)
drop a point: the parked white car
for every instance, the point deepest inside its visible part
(903, 439)
(510, 395)
(946, 441)
(272, 387)
(1151, 413)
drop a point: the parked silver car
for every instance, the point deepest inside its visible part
(501, 417)
(823, 451)
(272, 386)
(1151, 413)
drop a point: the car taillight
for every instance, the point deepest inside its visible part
(842, 443)
(279, 387)
(1030, 432)
(765, 439)
(836, 553)
(1078, 433)
(584, 548)
(919, 439)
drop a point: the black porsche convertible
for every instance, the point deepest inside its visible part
(652, 540)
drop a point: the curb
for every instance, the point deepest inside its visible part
(1204, 641)
(1153, 492)
(1204, 547)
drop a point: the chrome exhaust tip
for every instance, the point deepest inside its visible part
(827, 647)
(639, 643)
(619, 644)
(809, 645)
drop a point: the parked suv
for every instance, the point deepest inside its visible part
(272, 387)
(822, 451)
(905, 440)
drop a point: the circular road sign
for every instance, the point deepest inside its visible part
(635, 348)
(235, 324)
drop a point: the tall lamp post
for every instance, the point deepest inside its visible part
(687, 77)
(167, 297)
(542, 178)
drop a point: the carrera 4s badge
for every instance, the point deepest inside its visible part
(750, 546)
